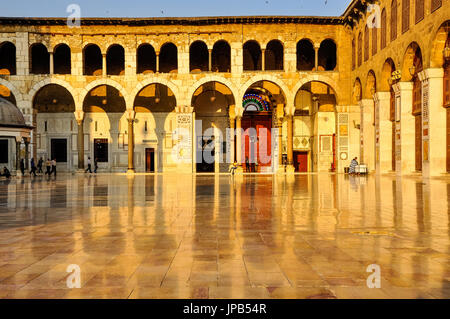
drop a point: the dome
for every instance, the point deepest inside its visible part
(10, 115)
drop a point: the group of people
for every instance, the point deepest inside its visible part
(89, 168)
(37, 168)
(250, 167)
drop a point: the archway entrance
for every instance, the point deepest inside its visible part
(212, 102)
(258, 102)
(314, 139)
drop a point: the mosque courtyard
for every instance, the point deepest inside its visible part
(217, 236)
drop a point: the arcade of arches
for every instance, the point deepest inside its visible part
(319, 93)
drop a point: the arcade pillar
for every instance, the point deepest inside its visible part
(434, 123)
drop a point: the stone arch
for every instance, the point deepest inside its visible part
(36, 87)
(371, 84)
(84, 92)
(328, 54)
(18, 96)
(437, 44)
(357, 91)
(317, 78)
(386, 73)
(269, 78)
(412, 56)
(154, 80)
(212, 78)
(54, 45)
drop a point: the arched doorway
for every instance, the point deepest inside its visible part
(259, 102)
(314, 138)
(55, 124)
(386, 86)
(106, 126)
(211, 103)
(155, 121)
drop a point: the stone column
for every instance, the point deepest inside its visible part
(183, 153)
(405, 147)
(280, 142)
(104, 64)
(157, 61)
(367, 133)
(52, 65)
(130, 119)
(232, 140)
(434, 123)
(210, 60)
(383, 133)
(239, 140)
(18, 142)
(79, 117)
(263, 59)
(27, 144)
(280, 115)
(289, 112)
(316, 56)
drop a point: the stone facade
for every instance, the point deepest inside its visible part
(414, 53)
(328, 132)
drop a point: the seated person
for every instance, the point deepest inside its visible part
(5, 172)
(353, 165)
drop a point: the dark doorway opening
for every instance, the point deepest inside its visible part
(301, 162)
(59, 150)
(150, 160)
(101, 150)
(205, 146)
(4, 151)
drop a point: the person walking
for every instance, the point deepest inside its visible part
(33, 167)
(48, 166)
(54, 166)
(22, 167)
(89, 168)
(95, 165)
(39, 166)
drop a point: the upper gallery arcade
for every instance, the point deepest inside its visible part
(116, 89)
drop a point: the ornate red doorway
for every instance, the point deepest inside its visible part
(256, 141)
(256, 137)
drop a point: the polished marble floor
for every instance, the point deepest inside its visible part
(205, 236)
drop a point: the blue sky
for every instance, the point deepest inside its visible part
(173, 8)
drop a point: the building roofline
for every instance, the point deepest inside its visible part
(178, 21)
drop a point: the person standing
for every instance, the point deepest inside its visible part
(22, 167)
(95, 165)
(39, 166)
(48, 166)
(54, 166)
(33, 167)
(89, 168)
(247, 165)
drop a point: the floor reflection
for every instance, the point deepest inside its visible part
(205, 236)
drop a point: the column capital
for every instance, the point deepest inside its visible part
(239, 111)
(431, 73)
(380, 96)
(184, 109)
(402, 86)
(130, 114)
(289, 111)
(79, 116)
